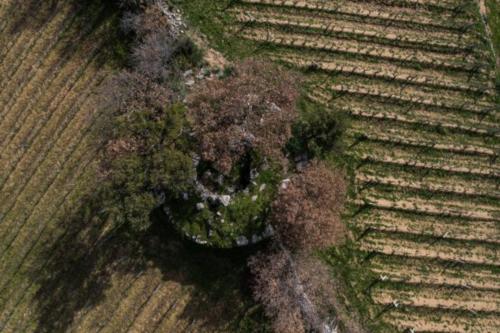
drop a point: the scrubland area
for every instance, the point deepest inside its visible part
(414, 84)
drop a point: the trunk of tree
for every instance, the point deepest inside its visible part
(307, 308)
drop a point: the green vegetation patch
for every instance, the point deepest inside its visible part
(235, 212)
(213, 19)
(494, 24)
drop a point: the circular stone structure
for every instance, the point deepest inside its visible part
(227, 210)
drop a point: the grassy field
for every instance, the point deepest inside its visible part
(62, 267)
(417, 79)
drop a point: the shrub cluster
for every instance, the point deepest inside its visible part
(240, 124)
(161, 52)
(144, 129)
(316, 133)
(294, 286)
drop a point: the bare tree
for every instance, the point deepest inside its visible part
(152, 57)
(156, 41)
(143, 23)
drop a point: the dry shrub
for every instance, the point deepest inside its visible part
(306, 214)
(152, 57)
(252, 109)
(156, 47)
(145, 22)
(296, 292)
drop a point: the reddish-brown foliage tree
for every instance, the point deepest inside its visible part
(297, 292)
(306, 214)
(252, 109)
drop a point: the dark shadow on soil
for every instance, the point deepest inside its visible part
(75, 35)
(34, 14)
(80, 267)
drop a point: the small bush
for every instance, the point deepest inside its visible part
(317, 131)
(186, 51)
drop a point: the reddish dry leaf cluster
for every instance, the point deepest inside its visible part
(252, 109)
(119, 147)
(307, 213)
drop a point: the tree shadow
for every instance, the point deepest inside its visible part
(32, 15)
(80, 266)
(75, 34)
